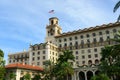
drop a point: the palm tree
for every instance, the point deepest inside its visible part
(110, 61)
(116, 7)
(49, 70)
(63, 68)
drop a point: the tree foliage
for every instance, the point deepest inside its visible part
(12, 76)
(64, 68)
(116, 7)
(110, 61)
(100, 77)
(27, 76)
(2, 65)
(37, 77)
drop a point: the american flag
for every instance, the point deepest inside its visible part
(51, 11)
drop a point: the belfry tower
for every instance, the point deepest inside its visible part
(52, 30)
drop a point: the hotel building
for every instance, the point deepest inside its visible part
(86, 45)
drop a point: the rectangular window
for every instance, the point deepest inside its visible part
(89, 56)
(38, 58)
(76, 57)
(33, 58)
(96, 55)
(83, 57)
(43, 57)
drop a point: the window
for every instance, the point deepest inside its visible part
(60, 45)
(77, 62)
(76, 57)
(107, 32)
(96, 55)
(83, 57)
(70, 43)
(33, 48)
(53, 53)
(65, 45)
(114, 30)
(96, 61)
(10, 61)
(38, 63)
(43, 57)
(101, 39)
(70, 38)
(87, 35)
(81, 36)
(82, 51)
(88, 41)
(95, 50)
(38, 47)
(38, 53)
(33, 53)
(89, 62)
(83, 62)
(75, 37)
(88, 45)
(100, 33)
(51, 22)
(33, 58)
(65, 39)
(82, 44)
(94, 40)
(43, 52)
(60, 40)
(38, 58)
(89, 51)
(76, 52)
(94, 34)
(89, 56)
(76, 43)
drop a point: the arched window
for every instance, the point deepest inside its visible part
(96, 61)
(51, 22)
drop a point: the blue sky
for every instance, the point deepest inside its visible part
(24, 21)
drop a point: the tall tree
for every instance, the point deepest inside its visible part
(116, 7)
(64, 68)
(48, 70)
(110, 61)
(2, 65)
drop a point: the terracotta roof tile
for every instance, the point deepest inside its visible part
(24, 66)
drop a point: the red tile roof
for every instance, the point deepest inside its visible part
(23, 66)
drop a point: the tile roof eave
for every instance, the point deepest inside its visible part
(89, 29)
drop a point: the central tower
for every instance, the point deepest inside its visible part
(52, 30)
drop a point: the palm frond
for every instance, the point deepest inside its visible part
(116, 6)
(118, 19)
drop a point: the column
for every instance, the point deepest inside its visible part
(85, 75)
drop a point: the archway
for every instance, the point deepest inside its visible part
(81, 75)
(69, 77)
(89, 75)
